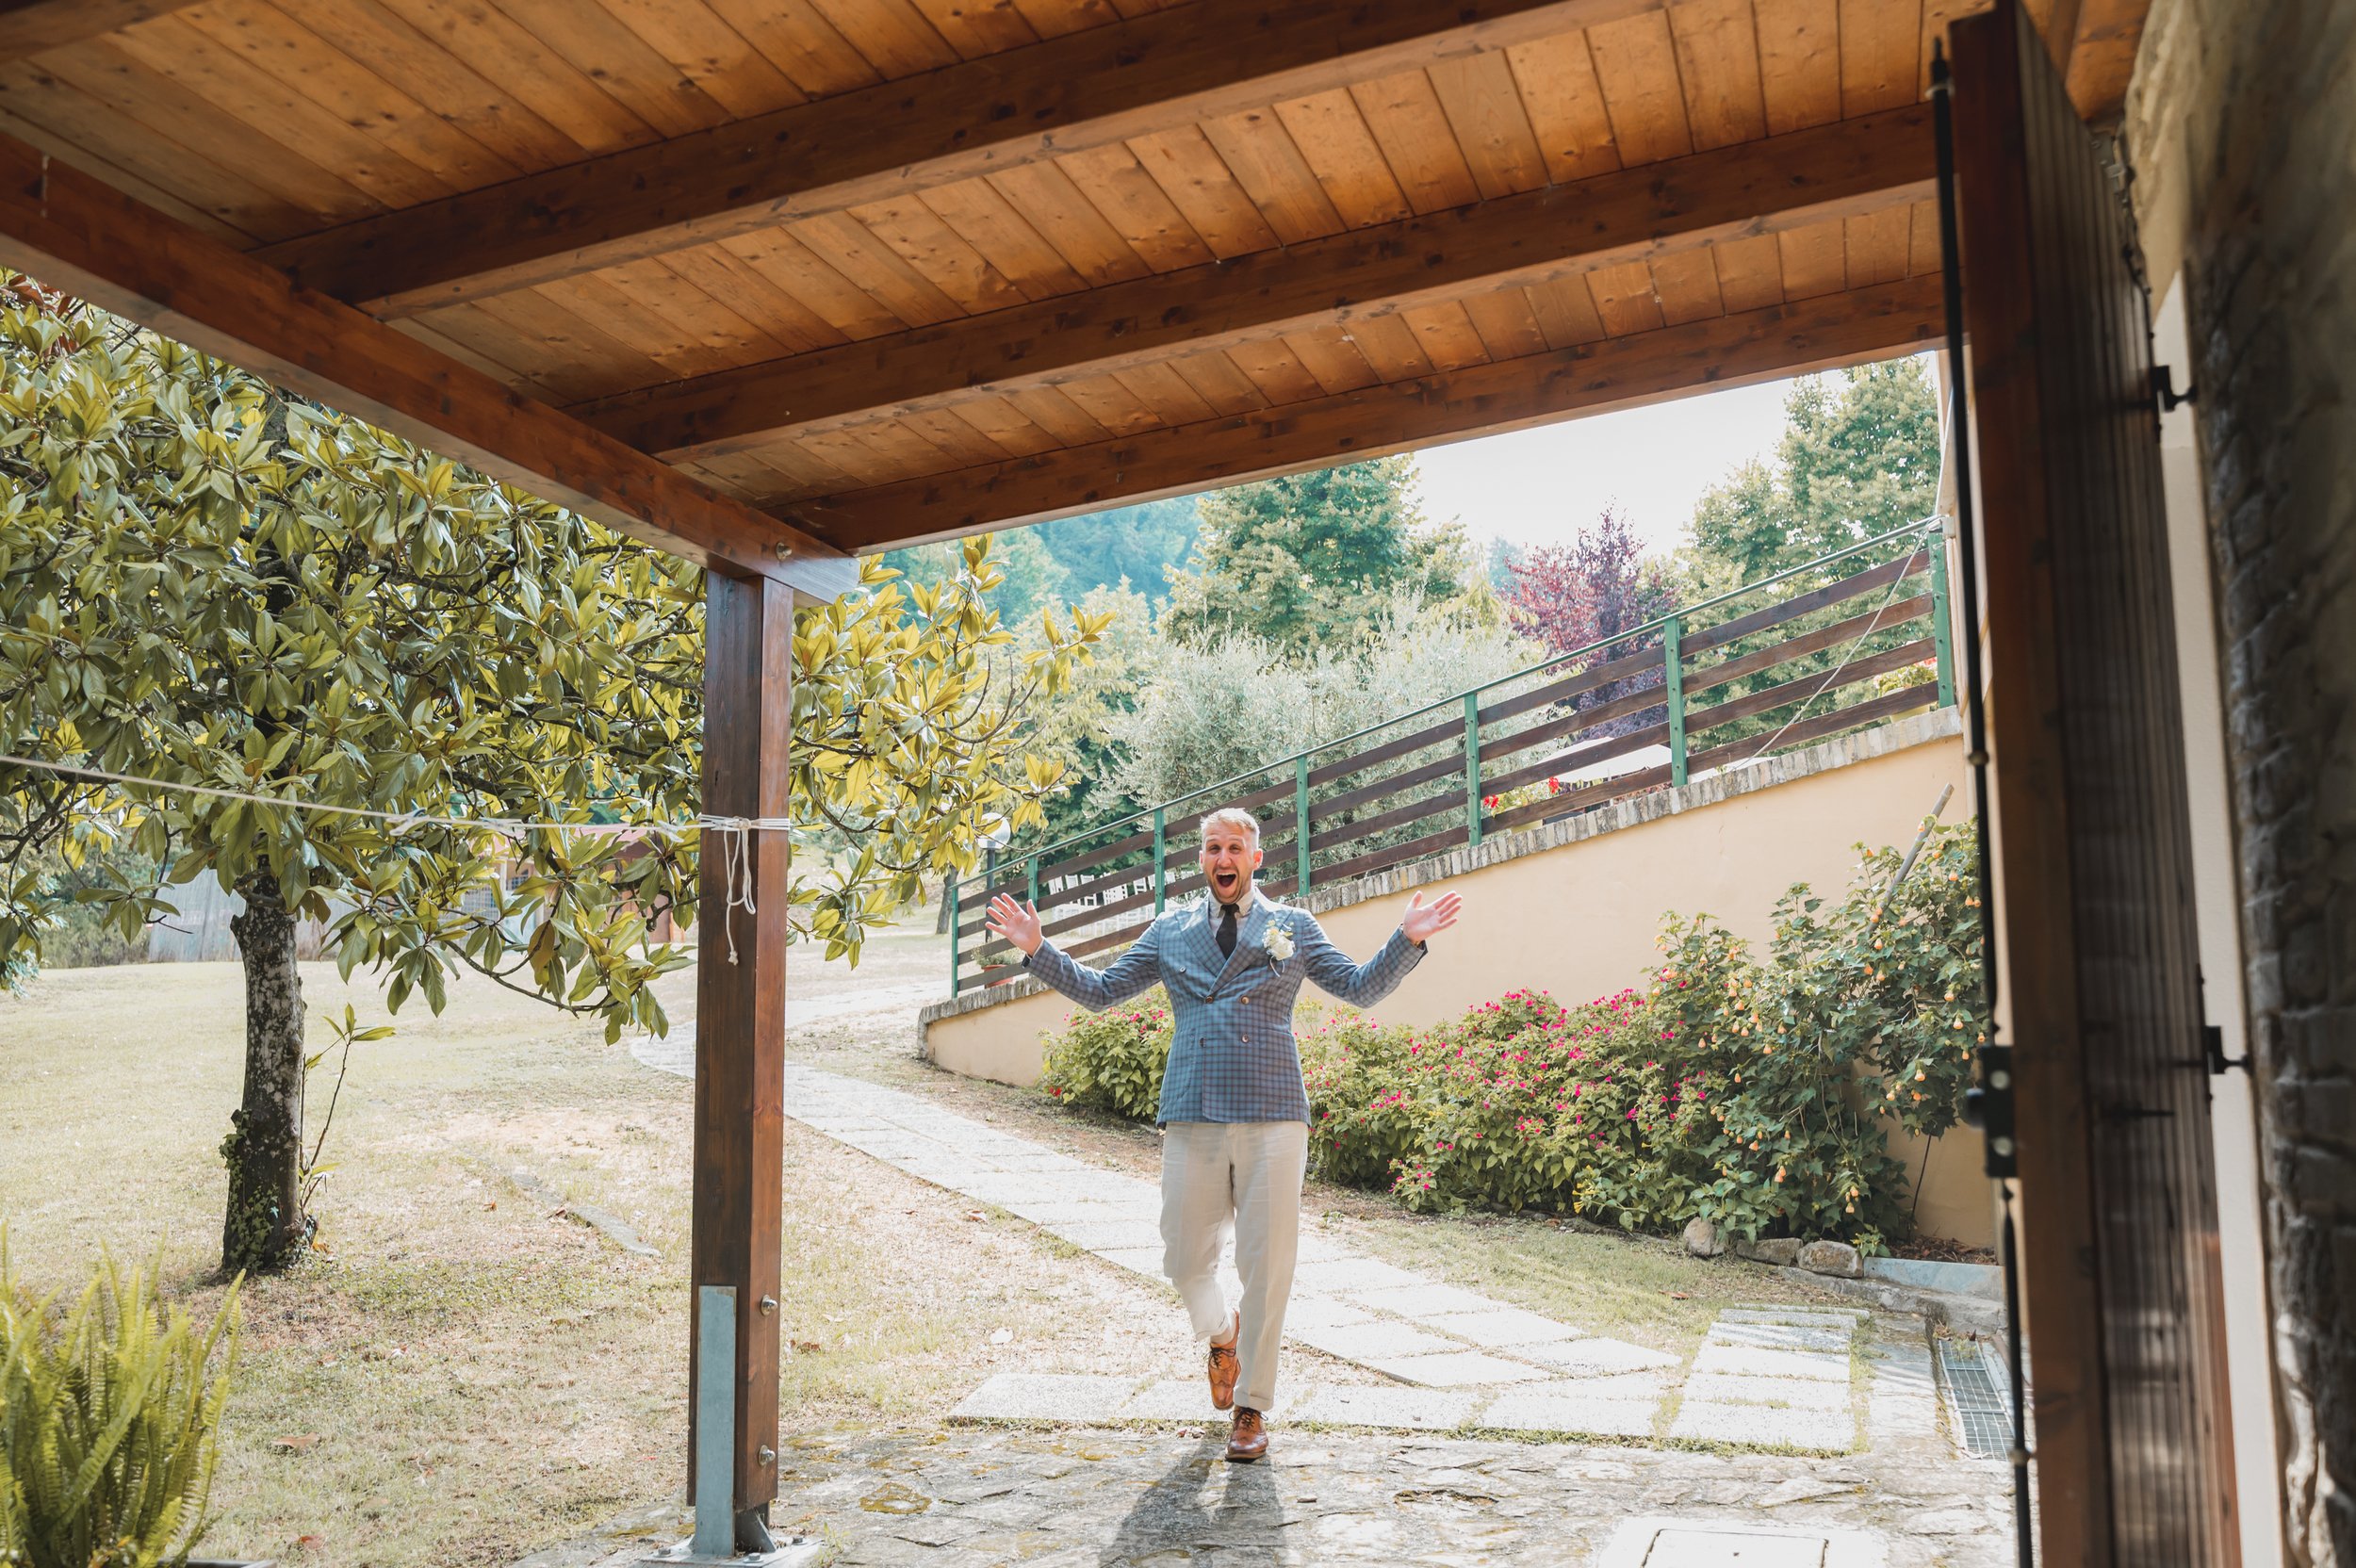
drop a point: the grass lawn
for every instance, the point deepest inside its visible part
(465, 1374)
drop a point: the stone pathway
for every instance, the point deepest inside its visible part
(977, 1497)
(1768, 1377)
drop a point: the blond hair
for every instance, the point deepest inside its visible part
(1235, 817)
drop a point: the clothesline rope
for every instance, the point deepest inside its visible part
(506, 826)
(736, 849)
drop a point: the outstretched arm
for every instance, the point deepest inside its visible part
(1133, 971)
(1364, 985)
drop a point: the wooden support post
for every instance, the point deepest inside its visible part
(740, 1012)
(953, 914)
(1161, 851)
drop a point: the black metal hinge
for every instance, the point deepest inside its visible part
(1988, 1105)
(2213, 1049)
(2164, 389)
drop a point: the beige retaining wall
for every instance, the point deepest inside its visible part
(1574, 908)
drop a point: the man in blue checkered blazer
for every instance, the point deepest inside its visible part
(1234, 1115)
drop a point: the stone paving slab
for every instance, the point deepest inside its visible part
(1536, 1412)
(1749, 1361)
(1189, 1400)
(1137, 1260)
(1815, 1317)
(1782, 1336)
(1067, 1396)
(1804, 1393)
(1764, 1425)
(1115, 1235)
(1368, 1342)
(1421, 1302)
(1345, 1276)
(1419, 1409)
(1902, 1404)
(1648, 1386)
(1322, 1311)
(1454, 1369)
(1502, 1327)
(1578, 1356)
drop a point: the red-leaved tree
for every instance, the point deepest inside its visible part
(1588, 592)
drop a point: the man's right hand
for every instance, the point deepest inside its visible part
(1014, 922)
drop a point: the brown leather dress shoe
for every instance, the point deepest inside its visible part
(1247, 1440)
(1225, 1367)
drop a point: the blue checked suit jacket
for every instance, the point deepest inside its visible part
(1232, 1057)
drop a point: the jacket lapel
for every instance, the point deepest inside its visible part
(1199, 945)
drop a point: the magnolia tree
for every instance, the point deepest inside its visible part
(204, 584)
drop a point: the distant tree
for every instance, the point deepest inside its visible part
(1859, 456)
(1316, 559)
(1141, 545)
(1031, 580)
(1210, 709)
(1591, 591)
(1078, 730)
(1503, 557)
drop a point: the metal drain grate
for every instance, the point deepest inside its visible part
(1975, 1380)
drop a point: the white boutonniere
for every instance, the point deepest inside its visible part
(1280, 941)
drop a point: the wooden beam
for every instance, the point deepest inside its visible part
(1088, 89)
(1619, 372)
(29, 27)
(1845, 169)
(76, 233)
(739, 1165)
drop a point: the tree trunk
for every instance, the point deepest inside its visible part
(266, 1226)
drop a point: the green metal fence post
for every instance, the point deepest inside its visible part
(1472, 768)
(1161, 849)
(953, 938)
(1673, 659)
(1943, 631)
(1301, 822)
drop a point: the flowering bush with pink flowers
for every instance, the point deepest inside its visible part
(1519, 1104)
(1754, 1092)
(1112, 1061)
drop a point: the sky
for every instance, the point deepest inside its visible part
(1540, 486)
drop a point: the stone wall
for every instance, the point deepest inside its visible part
(2242, 129)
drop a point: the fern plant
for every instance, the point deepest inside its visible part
(108, 1420)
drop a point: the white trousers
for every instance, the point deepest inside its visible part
(1245, 1176)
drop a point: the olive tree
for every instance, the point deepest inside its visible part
(205, 583)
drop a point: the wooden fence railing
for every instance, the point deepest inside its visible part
(1703, 689)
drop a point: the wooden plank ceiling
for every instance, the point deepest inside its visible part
(889, 270)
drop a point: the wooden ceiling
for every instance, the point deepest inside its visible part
(837, 274)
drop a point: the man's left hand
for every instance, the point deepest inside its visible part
(1423, 922)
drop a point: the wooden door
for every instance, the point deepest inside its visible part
(2097, 954)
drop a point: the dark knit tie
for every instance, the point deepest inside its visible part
(1227, 932)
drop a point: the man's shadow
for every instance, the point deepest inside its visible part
(1200, 1504)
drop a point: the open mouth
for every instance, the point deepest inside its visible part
(1225, 883)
